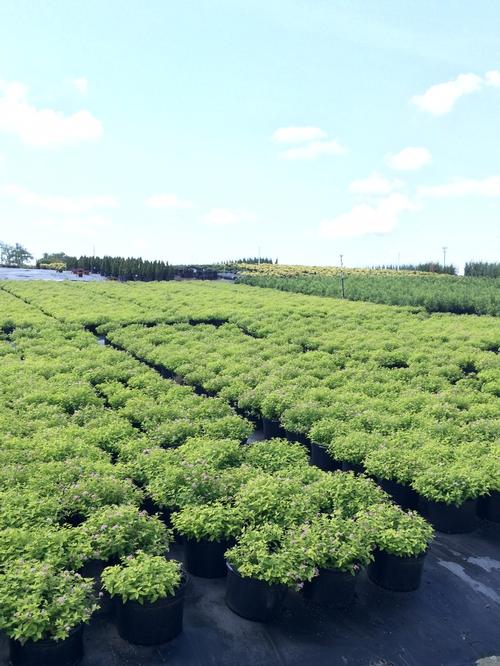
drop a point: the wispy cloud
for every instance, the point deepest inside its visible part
(365, 219)
(298, 134)
(488, 187)
(409, 159)
(58, 204)
(43, 128)
(376, 183)
(440, 99)
(227, 216)
(167, 201)
(312, 143)
(312, 150)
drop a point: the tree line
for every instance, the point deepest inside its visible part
(482, 269)
(426, 267)
(121, 268)
(14, 255)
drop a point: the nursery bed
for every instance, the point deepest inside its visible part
(453, 620)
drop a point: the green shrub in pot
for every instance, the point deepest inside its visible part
(334, 542)
(268, 498)
(452, 482)
(143, 578)
(62, 547)
(228, 427)
(276, 454)
(354, 446)
(216, 453)
(272, 554)
(94, 491)
(116, 531)
(344, 493)
(217, 521)
(398, 532)
(393, 462)
(39, 601)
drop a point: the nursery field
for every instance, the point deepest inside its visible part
(329, 468)
(433, 292)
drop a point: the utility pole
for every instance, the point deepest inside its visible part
(444, 256)
(342, 275)
(259, 253)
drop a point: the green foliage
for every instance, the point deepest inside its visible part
(16, 255)
(392, 461)
(354, 447)
(278, 499)
(453, 482)
(411, 396)
(272, 554)
(333, 542)
(92, 492)
(275, 455)
(116, 531)
(39, 601)
(439, 293)
(345, 494)
(216, 521)
(62, 547)
(218, 454)
(482, 269)
(143, 578)
(397, 532)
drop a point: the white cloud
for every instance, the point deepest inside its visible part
(167, 201)
(81, 85)
(298, 134)
(442, 97)
(376, 183)
(492, 78)
(409, 159)
(226, 216)
(488, 187)
(43, 128)
(313, 150)
(58, 204)
(365, 219)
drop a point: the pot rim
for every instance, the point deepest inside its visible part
(49, 641)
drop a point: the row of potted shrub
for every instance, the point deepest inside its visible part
(89, 439)
(402, 439)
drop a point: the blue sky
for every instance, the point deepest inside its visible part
(205, 130)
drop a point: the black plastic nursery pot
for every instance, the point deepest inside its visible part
(352, 467)
(165, 514)
(48, 652)
(452, 519)
(322, 459)
(151, 623)
(271, 428)
(397, 573)
(488, 507)
(206, 558)
(332, 588)
(403, 495)
(93, 569)
(75, 519)
(298, 437)
(251, 598)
